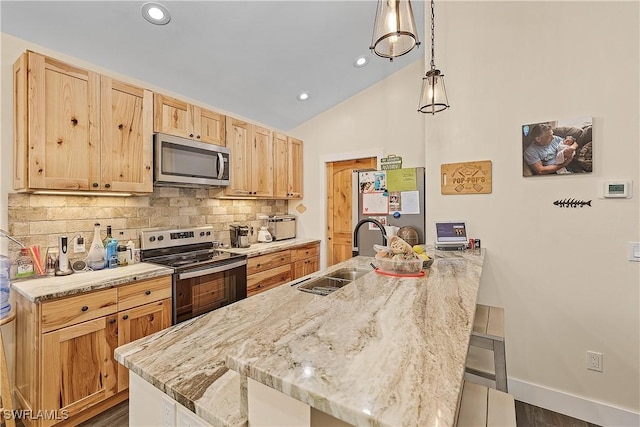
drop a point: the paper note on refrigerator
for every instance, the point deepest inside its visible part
(402, 179)
(375, 203)
(409, 202)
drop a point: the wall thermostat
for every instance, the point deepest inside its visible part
(617, 189)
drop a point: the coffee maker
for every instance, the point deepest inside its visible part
(239, 236)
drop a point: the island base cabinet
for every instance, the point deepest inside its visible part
(148, 406)
(269, 407)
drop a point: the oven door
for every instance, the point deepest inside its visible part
(202, 290)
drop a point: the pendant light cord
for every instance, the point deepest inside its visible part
(433, 18)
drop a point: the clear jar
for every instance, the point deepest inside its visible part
(122, 255)
(24, 264)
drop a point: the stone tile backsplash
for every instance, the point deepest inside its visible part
(41, 219)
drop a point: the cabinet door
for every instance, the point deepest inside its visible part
(262, 162)
(137, 323)
(209, 126)
(280, 166)
(304, 267)
(127, 138)
(63, 113)
(172, 116)
(77, 367)
(295, 169)
(239, 142)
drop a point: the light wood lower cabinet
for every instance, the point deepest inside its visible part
(64, 348)
(268, 271)
(305, 260)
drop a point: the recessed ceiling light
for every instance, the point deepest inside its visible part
(361, 61)
(155, 13)
(303, 96)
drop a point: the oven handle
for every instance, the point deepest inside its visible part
(205, 271)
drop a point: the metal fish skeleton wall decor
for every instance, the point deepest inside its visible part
(572, 203)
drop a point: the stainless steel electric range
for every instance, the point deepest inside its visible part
(204, 278)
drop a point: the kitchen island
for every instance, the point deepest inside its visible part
(380, 351)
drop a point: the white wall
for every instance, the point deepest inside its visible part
(561, 274)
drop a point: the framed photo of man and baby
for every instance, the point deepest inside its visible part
(557, 147)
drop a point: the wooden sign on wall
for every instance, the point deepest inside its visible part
(466, 177)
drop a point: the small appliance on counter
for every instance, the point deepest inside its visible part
(239, 236)
(282, 227)
(63, 257)
(263, 235)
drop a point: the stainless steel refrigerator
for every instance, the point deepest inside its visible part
(401, 191)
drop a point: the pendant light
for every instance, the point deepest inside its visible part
(394, 30)
(433, 97)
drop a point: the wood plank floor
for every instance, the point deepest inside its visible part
(526, 416)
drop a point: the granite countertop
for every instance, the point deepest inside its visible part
(47, 288)
(257, 249)
(380, 351)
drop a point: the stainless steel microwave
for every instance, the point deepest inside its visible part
(181, 162)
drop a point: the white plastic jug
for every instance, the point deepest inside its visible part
(391, 230)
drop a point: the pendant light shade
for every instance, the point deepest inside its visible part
(394, 30)
(433, 97)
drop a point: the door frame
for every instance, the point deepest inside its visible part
(377, 152)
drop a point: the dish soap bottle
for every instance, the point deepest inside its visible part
(97, 254)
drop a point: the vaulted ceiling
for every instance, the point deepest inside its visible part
(249, 58)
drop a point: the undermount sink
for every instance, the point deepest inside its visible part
(330, 282)
(347, 273)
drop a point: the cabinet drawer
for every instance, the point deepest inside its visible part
(262, 281)
(70, 311)
(145, 292)
(305, 252)
(268, 261)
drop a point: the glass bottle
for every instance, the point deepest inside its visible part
(111, 245)
(25, 264)
(97, 254)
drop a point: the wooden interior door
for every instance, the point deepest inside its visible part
(339, 227)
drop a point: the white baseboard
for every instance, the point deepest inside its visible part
(574, 406)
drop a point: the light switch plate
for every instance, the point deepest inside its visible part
(78, 245)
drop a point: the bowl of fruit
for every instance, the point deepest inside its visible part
(400, 259)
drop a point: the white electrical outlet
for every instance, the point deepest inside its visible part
(594, 361)
(78, 244)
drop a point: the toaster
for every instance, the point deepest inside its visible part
(282, 227)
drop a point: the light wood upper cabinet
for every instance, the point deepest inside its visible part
(175, 117)
(262, 162)
(239, 142)
(251, 159)
(68, 122)
(127, 131)
(287, 170)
